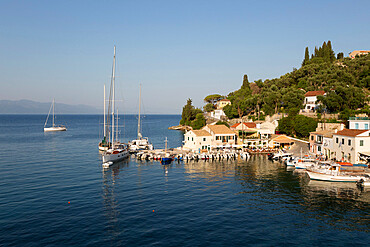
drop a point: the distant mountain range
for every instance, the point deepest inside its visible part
(33, 107)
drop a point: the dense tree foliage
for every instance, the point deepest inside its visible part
(346, 82)
(209, 107)
(297, 125)
(192, 116)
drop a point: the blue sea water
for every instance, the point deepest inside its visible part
(54, 192)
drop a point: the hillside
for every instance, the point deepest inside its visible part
(346, 82)
(32, 107)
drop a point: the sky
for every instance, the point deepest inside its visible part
(175, 49)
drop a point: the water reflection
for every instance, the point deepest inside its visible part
(111, 205)
(212, 170)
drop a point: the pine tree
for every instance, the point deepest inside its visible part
(306, 57)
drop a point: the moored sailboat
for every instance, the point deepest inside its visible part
(53, 127)
(117, 151)
(141, 143)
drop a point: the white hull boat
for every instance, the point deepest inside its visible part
(53, 127)
(334, 178)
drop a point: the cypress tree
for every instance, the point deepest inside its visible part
(306, 57)
(330, 52)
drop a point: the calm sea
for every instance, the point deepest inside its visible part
(54, 192)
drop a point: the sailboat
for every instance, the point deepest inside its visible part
(141, 143)
(117, 151)
(53, 127)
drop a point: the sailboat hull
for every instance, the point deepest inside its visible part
(115, 156)
(49, 129)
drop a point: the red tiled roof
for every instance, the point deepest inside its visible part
(248, 124)
(350, 132)
(314, 93)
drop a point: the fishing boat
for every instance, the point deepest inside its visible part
(333, 173)
(279, 155)
(117, 151)
(167, 159)
(53, 127)
(141, 143)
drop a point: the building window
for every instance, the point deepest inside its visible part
(319, 148)
(311, 138)
(366, 126)
(343, 141)
(204, 139)
(336, 140)
(361, 143)
(192, 139)
(356, 126)
(349, 142)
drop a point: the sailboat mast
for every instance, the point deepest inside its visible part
(53, 111)
(138, 122)
(113, 98)
(104, 114)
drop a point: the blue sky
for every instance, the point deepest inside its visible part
(175, 49)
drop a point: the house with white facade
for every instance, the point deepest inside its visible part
(348, 144)
(359, 123)
(197, 140)
(321, 142)
(218, 114)
(310, 100)
(222, 103)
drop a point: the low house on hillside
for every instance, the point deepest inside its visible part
(218, 114)
(359, 53)
(222, 103)
(349, 144)
(359, 123)
(197, 140)
(310, 100)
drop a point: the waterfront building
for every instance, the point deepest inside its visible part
(310, 100)
(222, 136)
(359, 123)
(321, 142)
(282, 141)
(197, 140)
(349, 143)
(359, 53)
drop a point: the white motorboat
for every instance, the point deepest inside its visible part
(53, 127)
(333, 173)
(304, 163)
(118, 151)
(280, 155)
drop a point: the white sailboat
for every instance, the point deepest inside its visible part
(141, 143)
(117, 151)
(53, 127)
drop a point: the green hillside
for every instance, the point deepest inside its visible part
(346, 82)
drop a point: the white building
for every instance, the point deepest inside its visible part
(222, 136)
(222, 103)
(349, 143)
(197, 140)
(218, 114)
(359, 123)
(311, 98)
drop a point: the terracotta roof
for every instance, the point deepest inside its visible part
(221, 129)
(314, 93)
(283, 139)
(350, 132)
(325, 133)
(248, 124)
(201, 133)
